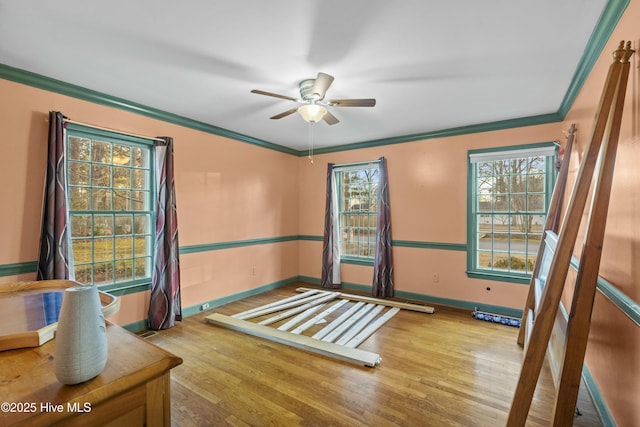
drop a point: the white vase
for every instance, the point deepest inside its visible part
(81, 336)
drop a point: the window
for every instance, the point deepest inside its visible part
(109, 191)
(357, 187)
(509, 194)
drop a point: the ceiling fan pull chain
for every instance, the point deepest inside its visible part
(311, 142)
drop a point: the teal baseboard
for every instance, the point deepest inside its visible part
(195, 309)
(598, 399)
(136, 327)
(141, 325)
(467, 305)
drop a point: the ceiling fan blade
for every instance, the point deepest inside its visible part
(371, 102)
(285, 114)
(320, 86)
(330, 119)
(275, 95)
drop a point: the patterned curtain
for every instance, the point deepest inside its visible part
(164, 306)
(330, 245)
(383, 265)
(55, 248)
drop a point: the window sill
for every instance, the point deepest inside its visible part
(357, 261)
(522, 279)
(119, 289)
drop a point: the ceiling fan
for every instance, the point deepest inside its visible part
(314, 108)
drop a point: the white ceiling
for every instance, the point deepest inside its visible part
(431, 65)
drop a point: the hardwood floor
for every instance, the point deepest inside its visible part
(441, 369)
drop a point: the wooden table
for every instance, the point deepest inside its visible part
(133, 389)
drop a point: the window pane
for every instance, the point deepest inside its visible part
(124, 270)
(78, 174)
(82, 250)
(101, 152)
(103, 225)
(124, 224)
(142, 246)
(537, 223)
(121, 177)
(535, 183)
(534, 243)
(103, 272)
(103, 249)
(101, 200)
(124, 247)
(485, 203)
(101, 176)
(79, 148)
(141, 224)
(501, 167)
(142, 267)
(518, 242)
(501, 202)
(121, 154)
(139, 157)
(83, 273)
(485, 169)
(485, 259)
(139, 179)
(537, 165)
(80, 225)
(536, 203)
(518, 263)
(139, 200)
(122, 200)
(78, 199)
(485, 223)
(518, 203)
(500, 261)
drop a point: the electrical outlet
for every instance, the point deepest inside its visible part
(436, 278)
(204, 306)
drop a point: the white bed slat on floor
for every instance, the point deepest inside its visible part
(296, 310)
(300, 317)
(309, 323)
(338, 321)
(369, 330)
(347, 323)
(340, 352)
(279, 302)
(360, 325)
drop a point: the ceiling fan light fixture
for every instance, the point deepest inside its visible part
(312, 113)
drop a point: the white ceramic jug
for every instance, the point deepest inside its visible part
(81, 336)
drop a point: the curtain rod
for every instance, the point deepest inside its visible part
(153, 138)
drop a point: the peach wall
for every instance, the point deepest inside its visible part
(428, 192)
(226, 191)
(613, 353)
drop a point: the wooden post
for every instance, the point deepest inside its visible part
(553, 216)
(546, 314)
(584, 294)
